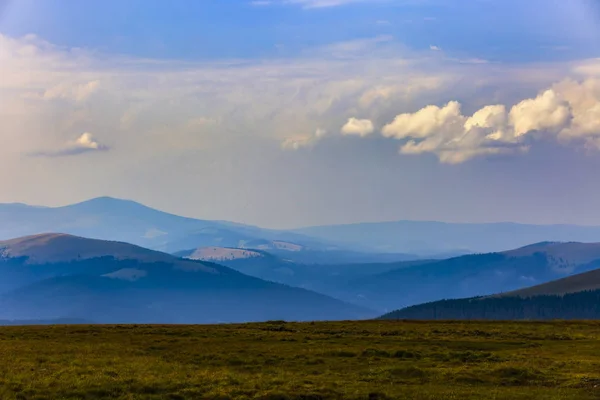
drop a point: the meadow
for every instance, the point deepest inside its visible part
(276, 360)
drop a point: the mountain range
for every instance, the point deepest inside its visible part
(58, 276)
(143, 265)
(573, 297)
(124, 220)
(389, 286)
(108, 218)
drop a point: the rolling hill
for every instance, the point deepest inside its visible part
(52, 276)
(330, 279)
(476, 275)
(573, 297)
(389, 286)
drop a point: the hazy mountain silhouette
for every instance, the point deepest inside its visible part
(54, 276)
(475, 275)
(574, 297)
(433, 238)
(114, 219)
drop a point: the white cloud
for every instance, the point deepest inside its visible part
(547, 112)
(434, 48)
(359, 127)
(82, 144)
(145, 106)
(568, 110)
(425, 122)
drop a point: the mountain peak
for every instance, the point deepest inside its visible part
(60, 247)
(105, 201)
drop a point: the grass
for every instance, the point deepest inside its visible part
(310, 361)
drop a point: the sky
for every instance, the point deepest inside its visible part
(289, 113)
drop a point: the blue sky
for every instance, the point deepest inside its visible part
(285, 113)
(509, 30)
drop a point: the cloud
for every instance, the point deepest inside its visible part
(425, 122)
(360, 127)
(76, 92)
(298, 142)
(83, 144)
(588, 68)
(547, 112)
(434, 48)
(145, 106)
(569, 110)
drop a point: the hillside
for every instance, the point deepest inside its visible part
(573, 306)
(222, 254)
(587, 281)
(476, 275)
(55, 276)
(573, 297)
(389, 286)
(330, 279)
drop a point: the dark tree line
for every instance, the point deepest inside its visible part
(581, 305)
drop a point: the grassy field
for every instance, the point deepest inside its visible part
(278, 361)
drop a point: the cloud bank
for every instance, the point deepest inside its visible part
(568, 112)
(146, 106)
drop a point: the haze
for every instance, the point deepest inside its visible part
(305, 112)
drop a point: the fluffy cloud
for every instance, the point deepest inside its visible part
(83, 144)
(425, 122)
(547, 112)
(359, 127)
(145, 106)
(569, 110)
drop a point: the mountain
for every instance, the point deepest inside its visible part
(573, 297)
(475, 275)
(59, 276)
(577, 306)
(285, 268)
(291, 252)
(389, 286)
(587, 281)
(429, 239)
(127, 221)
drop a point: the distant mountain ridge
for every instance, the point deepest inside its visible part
(573, 297)
(59, 276)
(429, 238)
(128, 221)
(107, 218)
(476, 274)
